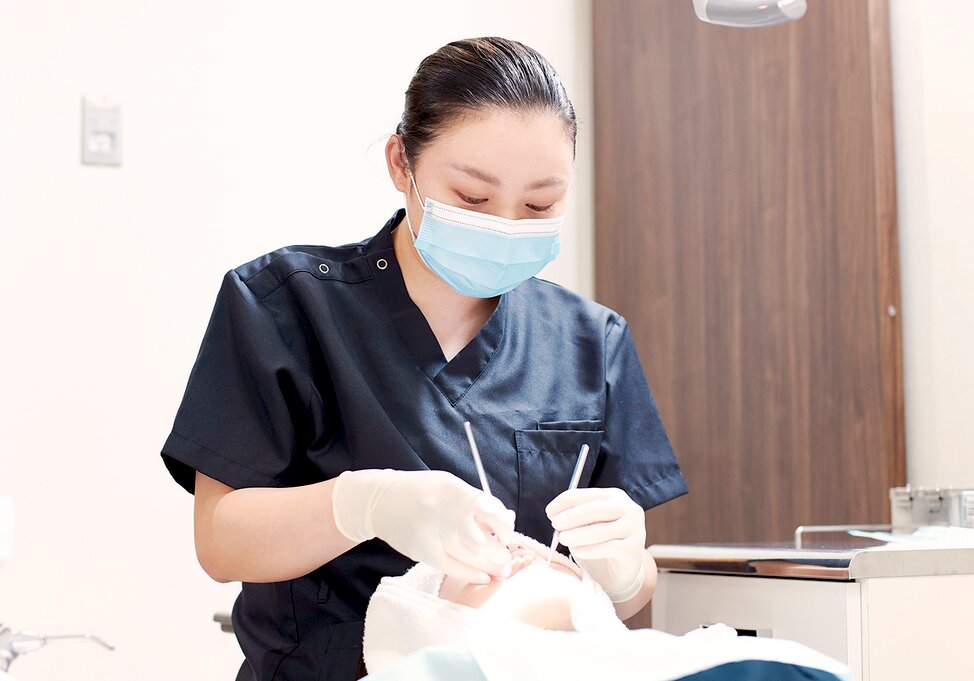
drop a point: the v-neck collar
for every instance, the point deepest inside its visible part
(456, 376)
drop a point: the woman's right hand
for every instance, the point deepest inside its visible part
(429, 516)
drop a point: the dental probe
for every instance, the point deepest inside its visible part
(476, 459)
(576, 476)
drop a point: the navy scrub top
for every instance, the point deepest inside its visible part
(316, 361)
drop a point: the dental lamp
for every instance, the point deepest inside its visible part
(749, 13)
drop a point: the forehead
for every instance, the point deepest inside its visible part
(517, 147)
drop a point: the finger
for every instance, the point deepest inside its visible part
(499, 565)
(574, 497)
(492, 512)
(477, 538)
(452, 567)
(485, 503)
(501, 528)
(500, 523)
(596, 534)
(476, 558)
(598, 511)
(504, 534)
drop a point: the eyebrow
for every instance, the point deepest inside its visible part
(479, 174)
(550, 181)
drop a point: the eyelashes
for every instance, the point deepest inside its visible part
(472, 201)
(476, 202)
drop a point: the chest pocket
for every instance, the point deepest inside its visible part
(546, 458)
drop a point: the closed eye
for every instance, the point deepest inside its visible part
(469, 199)
(540, 209)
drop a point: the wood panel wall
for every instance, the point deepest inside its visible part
(746, 228)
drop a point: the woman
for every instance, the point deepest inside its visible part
(321, 428)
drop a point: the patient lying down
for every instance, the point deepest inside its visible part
(535, 593)
(424, 608)
(551, 622)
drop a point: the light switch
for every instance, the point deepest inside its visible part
(100, 133)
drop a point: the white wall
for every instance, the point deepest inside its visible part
(933, 90)
(246, 126)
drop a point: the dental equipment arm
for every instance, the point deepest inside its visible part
(15, 643)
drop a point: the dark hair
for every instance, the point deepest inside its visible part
(476, 74)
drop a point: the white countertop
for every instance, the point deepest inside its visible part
(840, 562)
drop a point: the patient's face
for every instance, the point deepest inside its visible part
(534, 593)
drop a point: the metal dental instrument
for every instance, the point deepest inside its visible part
(576, 476)
(14, 643)
(476, 459)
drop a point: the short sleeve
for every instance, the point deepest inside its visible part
(243, 416)
(638, 457)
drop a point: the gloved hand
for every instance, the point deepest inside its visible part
(429, 516)
(606, 533)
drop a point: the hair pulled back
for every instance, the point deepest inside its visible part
(478, 74)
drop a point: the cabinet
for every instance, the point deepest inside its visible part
(889, 614)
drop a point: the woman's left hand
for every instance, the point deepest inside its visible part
(606, 533)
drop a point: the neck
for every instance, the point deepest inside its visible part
(424, 286)
(454, 318)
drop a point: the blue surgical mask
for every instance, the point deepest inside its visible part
(482, 255)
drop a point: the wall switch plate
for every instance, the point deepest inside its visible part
(100, 133)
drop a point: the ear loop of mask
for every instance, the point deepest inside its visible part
(409, 223)
(412, 180)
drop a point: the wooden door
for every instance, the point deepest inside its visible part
(746, 228)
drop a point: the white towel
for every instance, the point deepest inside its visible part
(406, 614)
(646, 654)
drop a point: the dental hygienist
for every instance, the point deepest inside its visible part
(322, 425)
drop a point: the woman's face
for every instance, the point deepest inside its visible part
(510, 164)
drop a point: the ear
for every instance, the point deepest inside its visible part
(397, 164)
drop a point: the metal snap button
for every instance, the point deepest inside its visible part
(381, 263)
(323, 268)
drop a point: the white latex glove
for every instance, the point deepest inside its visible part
(429, 516)
(606, 533)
